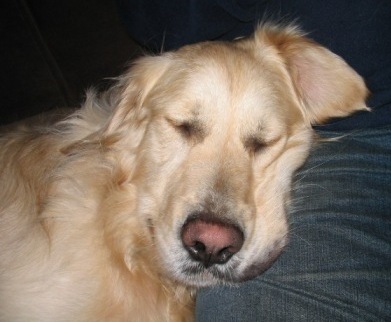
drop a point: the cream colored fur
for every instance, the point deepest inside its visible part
(91, 207)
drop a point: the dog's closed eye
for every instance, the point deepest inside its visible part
(190, 130)
(254, 144)
(187, 129)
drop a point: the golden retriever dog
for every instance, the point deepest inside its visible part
(176, 178)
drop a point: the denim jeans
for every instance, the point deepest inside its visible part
(337, 266)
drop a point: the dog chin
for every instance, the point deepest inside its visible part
(194, 274)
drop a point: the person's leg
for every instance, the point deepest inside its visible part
(338, 264)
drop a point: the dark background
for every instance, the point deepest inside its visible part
(52, 51)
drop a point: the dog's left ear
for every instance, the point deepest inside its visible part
(132, 91)
(324, 83)
(126, 103)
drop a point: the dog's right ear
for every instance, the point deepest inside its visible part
(325, 84)
(131, 92)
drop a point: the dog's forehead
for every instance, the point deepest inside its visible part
(221, 83)
(230, 88)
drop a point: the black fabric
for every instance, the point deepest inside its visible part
(166, 25)
(357, 30)
(52, 51)
(360, 32)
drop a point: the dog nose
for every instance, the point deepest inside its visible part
(211, 241)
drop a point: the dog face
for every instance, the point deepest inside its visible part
(221, 129)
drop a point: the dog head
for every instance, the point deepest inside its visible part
(215, 132)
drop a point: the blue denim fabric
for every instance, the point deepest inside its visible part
(337, 266)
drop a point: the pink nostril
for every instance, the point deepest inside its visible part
(211, 242)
